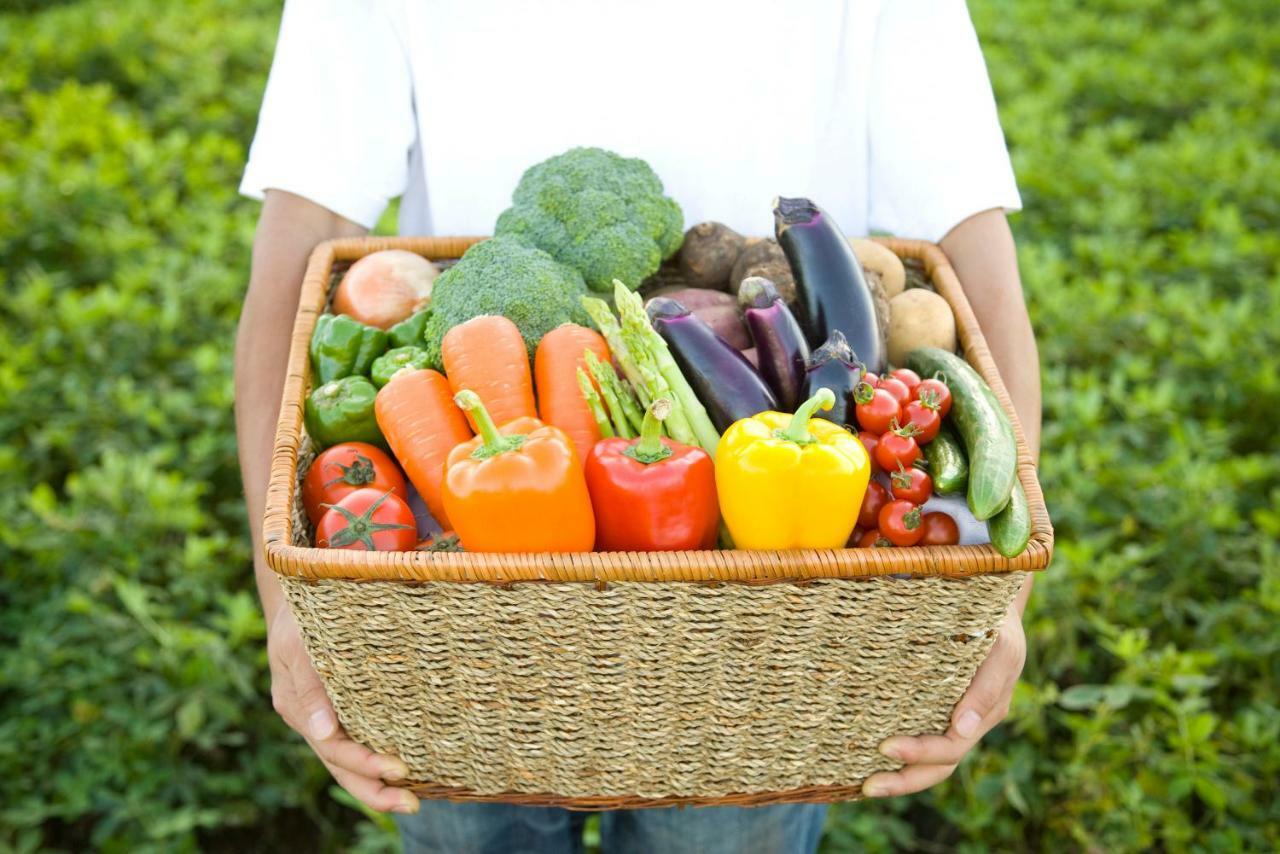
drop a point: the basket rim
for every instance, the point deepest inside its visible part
(715, 566)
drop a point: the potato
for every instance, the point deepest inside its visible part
(880, 263)
(708, 254)
(717, 309)
(919, 318)
(764, 258)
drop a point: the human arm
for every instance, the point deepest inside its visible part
(288, 229)
(983, 254)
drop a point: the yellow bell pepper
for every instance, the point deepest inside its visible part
(789, 482)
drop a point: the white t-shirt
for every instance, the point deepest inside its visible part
(881, 112)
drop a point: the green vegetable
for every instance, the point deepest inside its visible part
(640, 335)
(987, 433)
(594, 403)
(600, 213)
(625, 413)
(502, 276)
(386, 365)
(409, 331)
(341, 346)
(948, 465)
(1011, 528)
(342, 411)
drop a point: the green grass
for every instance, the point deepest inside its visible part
(133, 710)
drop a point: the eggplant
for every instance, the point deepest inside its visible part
(721, 377)
(831, 292)
(781, 350)
(834, 366)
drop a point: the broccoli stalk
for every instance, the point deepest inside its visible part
(639, 334)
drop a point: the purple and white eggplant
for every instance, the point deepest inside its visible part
(781, 350)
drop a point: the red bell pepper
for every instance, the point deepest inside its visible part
(652, 494)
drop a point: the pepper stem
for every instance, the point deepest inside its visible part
(650, 448)
(798, 430)
(494, 443)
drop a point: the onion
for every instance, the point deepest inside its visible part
(383, 288)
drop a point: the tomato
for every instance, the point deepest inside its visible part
(938, 388)
(911, 484)
(869, 441)
(877, 496)
(908, 378)
(939, 530)
(368, 519)
(873, 539)
(341, 470)
(445, 541)
(924, 416)
(901, 523)
(895, 387)
(898, 447)
(870, 378)
(874, 408)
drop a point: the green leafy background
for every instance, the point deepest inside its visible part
(133, 691)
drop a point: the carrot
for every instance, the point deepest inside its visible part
(422, 425)
(555, 368)
(487, 355)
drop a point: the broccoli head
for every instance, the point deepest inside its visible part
(600, 213)
(503, 276)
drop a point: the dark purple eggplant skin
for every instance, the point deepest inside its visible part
(727, 384)
(780, 345)
(834, 366)
(831, 292)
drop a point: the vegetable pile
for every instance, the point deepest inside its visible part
(529, 399)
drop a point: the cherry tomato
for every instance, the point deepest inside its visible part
(874, 408)
(908, 378)
(870, 378)
(939, 530)
(924, 416)
(341, 470)
(898, 447)
(877, 496)
(911, 484)
(901, 522)
(936, 387)
(869, 441)
(895, 387)
(873, 539)
(368, 519)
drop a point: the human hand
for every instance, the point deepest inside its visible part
(298, 695)
(930, 759)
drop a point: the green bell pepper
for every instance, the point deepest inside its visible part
(342, 346)
(409, 331)
(342, 411)
(386, 365)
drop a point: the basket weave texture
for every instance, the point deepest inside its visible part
(612, 680)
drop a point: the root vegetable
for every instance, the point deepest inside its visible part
(879, 263)
(709, 252)
(384, 288)
(919, 318)
(766, 259)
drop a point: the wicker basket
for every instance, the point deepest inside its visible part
(624, 680)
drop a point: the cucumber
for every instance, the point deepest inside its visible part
(1010, 529)
(981, 423)
(948, 465)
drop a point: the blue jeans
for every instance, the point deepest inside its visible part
(442, 827)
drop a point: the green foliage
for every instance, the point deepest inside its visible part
(600, 213)
(502, 276)
(133, 690)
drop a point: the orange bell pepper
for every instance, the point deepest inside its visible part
(518, 489)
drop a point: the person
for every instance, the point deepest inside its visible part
(881, 111)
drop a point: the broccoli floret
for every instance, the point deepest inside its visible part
(504, 276)
(600, 213)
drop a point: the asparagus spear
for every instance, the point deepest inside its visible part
(607, 381)
(602, 316)
(638, 333)
(626, 397)
(593, 403)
